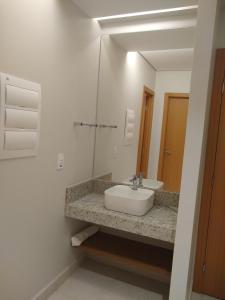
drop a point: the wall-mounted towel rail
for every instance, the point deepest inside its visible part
(85, 124)
(94, 125)
(107, 126)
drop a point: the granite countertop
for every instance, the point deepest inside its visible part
(159, 223)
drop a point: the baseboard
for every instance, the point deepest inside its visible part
(53, 285)
(196, 296)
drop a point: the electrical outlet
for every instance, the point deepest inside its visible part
(60, 161)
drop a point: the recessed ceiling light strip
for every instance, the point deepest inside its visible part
(145, 13)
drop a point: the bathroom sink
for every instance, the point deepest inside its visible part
(122, 198)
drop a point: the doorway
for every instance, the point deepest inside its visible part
(145, 132)
(173, 140)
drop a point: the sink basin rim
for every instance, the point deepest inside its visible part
(123, 199)
(123, 191)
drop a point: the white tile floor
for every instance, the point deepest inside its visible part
(201, 297)
(87, 284)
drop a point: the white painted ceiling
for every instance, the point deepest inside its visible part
(102, 8)
(180, 38)
(166, 41)
(170, 60)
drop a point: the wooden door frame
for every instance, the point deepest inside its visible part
(151, 93)
(163, 131)
(211, 150)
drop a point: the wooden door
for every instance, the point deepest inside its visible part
(145, 132)
(172, 140)
(210, 259)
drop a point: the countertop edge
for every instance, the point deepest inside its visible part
(159, 232)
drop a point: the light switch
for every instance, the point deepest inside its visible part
(60, 161)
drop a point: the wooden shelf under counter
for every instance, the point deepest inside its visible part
(143, 258)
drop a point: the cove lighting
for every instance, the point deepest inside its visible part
(145, 13)
(131, 57)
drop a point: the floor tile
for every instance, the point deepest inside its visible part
(86, 284)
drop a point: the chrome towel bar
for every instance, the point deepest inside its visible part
(85, 124)
(94, 125)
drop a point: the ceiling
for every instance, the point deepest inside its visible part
(102, 8)
(156, 40)
(165, 40)
(170, 60)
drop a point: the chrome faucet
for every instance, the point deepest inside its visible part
(137, 181)
(140, 179)
(134, 180)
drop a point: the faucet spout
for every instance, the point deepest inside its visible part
(134, 180)
(140, 179)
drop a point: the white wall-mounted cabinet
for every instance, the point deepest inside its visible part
(20, 105)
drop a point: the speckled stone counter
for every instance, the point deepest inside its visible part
(87, 205)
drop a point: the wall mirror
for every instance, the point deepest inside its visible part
(142, 108)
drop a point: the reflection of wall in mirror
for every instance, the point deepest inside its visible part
(121, 87)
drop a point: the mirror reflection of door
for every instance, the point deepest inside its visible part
(173, 140)
(145, 132)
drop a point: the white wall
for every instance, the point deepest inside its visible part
(190, 195)
(122, 79)
(166, 82)
(52, 43)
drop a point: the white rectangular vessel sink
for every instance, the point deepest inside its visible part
(122, 198)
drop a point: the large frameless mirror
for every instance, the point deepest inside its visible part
(143, 99)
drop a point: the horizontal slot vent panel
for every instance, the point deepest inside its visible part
(21, 119)
(15, 140)
(21, 97)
